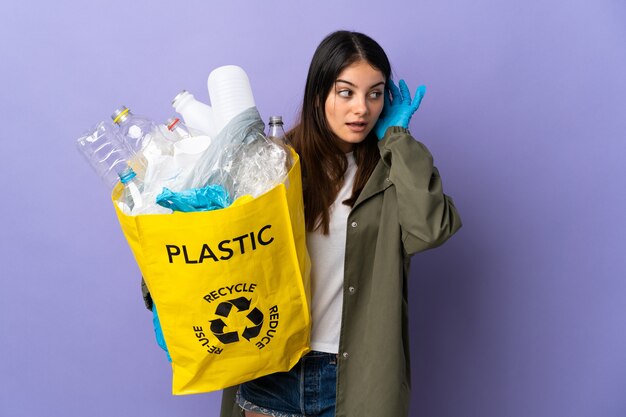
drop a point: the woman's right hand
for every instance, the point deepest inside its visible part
(398, 108)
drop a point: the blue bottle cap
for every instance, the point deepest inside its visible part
(127, 175)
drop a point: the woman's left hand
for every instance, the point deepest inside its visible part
(398, 108)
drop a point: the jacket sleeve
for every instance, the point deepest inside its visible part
(427, 216)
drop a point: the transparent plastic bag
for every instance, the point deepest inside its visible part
(241, 158)
(254, 168)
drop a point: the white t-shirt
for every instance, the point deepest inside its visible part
(327, 254)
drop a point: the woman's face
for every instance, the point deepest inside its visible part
(354, 103)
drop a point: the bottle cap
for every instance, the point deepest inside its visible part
(275, 120)
(120, 114)
(179, 96)
(127, 175)
(172, 122)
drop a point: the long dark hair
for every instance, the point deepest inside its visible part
(323, 163)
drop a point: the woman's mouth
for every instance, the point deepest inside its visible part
(357, 127)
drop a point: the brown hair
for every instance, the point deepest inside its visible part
(323, 163)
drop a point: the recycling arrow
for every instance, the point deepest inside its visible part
(242, 303)
(223, 309)
(256, 317)
(217, 327)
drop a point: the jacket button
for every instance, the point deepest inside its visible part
(345, 355)
(387, 179)
(354, 224)
(351, 290)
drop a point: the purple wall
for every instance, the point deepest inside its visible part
(522, 314)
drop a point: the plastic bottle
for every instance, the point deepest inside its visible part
(103, 147)
(230, 93)
(131, 199)
(136, 130)
(196, 114)
(276, 134)
(137, 133)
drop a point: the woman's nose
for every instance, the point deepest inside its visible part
(360, 106)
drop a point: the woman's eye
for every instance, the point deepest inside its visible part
(344, 93)
(376, 94)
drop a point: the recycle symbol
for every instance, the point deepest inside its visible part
(224, 308)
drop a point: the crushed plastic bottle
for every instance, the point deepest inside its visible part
(105, 151)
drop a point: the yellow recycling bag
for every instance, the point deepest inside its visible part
(231, 285)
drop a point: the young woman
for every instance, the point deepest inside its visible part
(372, 199)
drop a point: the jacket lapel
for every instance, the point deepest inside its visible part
(377, 183)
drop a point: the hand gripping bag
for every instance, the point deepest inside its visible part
(231, 285)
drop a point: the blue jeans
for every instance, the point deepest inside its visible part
(309, 389)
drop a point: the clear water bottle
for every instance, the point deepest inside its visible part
(197, 115)
(136, 130)
(276, 133)
(137, 133)
(104, 149)
(131, 199)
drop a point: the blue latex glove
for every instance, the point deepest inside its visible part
(158, 332)
(211, 197)
(398, 108)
